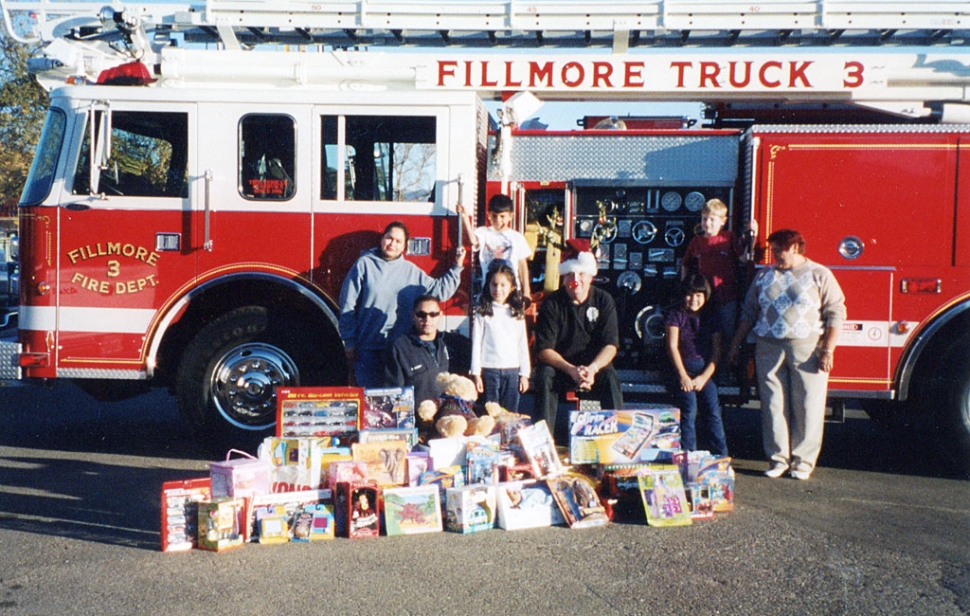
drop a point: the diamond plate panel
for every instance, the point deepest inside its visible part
(633, 158)
(10, 361)
(93, 373)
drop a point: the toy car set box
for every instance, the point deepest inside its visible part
(180, 512)
(331, 412)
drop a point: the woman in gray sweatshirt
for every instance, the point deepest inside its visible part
(376, 299)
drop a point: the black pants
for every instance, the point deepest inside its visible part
(550, 386)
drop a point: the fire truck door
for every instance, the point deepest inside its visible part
(862, 361)
(251, 207)
(122, 249)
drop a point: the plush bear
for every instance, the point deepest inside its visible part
(507, 423)
(453, 414)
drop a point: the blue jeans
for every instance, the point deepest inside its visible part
(687, 401)
(369, 368)
(502, 386)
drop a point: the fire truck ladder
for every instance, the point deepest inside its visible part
(914, 53)
(537, 23)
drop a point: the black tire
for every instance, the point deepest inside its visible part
(950, 400)
(227, 380)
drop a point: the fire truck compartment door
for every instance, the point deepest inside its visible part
(862, 360)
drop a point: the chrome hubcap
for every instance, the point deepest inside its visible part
(244, 384)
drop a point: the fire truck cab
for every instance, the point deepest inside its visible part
(197, 199)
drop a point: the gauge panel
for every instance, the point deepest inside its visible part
(643, 234)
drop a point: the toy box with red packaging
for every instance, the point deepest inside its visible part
(330, 412)
(180, 512)
(357, 509)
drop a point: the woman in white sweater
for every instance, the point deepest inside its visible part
(500, 363)
(795, 309)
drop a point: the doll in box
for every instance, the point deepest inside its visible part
(364, 519)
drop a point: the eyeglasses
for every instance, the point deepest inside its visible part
(426, 315)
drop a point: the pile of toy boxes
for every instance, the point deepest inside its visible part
(346, 462)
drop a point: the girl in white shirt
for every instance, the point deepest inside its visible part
(500, 363)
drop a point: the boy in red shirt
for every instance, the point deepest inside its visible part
(715, 254)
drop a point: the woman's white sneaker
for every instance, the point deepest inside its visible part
(776, 471)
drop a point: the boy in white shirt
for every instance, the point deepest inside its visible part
(500, 241)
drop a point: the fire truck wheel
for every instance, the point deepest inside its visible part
(229, 373)
(953, 419)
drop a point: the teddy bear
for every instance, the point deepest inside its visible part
(453, 413)
(507, 423)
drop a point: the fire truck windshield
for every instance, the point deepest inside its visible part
(41, 175)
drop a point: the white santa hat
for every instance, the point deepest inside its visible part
(577, 257)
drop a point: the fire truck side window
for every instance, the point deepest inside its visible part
(41, 176)
(384, 158)
(267, 157)
(149, 156)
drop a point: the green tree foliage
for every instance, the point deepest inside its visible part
(23, 104)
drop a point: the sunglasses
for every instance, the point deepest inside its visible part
(427, 315)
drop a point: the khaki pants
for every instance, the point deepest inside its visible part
(793, 392)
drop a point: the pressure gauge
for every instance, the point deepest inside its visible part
(670, 201)
(649, 325)
(694, 201)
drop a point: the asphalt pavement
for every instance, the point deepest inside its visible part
(879, 529)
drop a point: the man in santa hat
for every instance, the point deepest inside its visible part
(576, 339)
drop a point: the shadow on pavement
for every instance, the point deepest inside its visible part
(857, 444)
(74, 467)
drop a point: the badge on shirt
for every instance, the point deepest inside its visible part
(592, 314)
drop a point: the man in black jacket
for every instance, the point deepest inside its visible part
(418, 357)
(576, 340)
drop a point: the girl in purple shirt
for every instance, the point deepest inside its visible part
(694, 346)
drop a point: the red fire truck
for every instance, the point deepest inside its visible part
(209, 172)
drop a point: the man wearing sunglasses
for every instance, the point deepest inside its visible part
(419, 356)
(375, 298)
